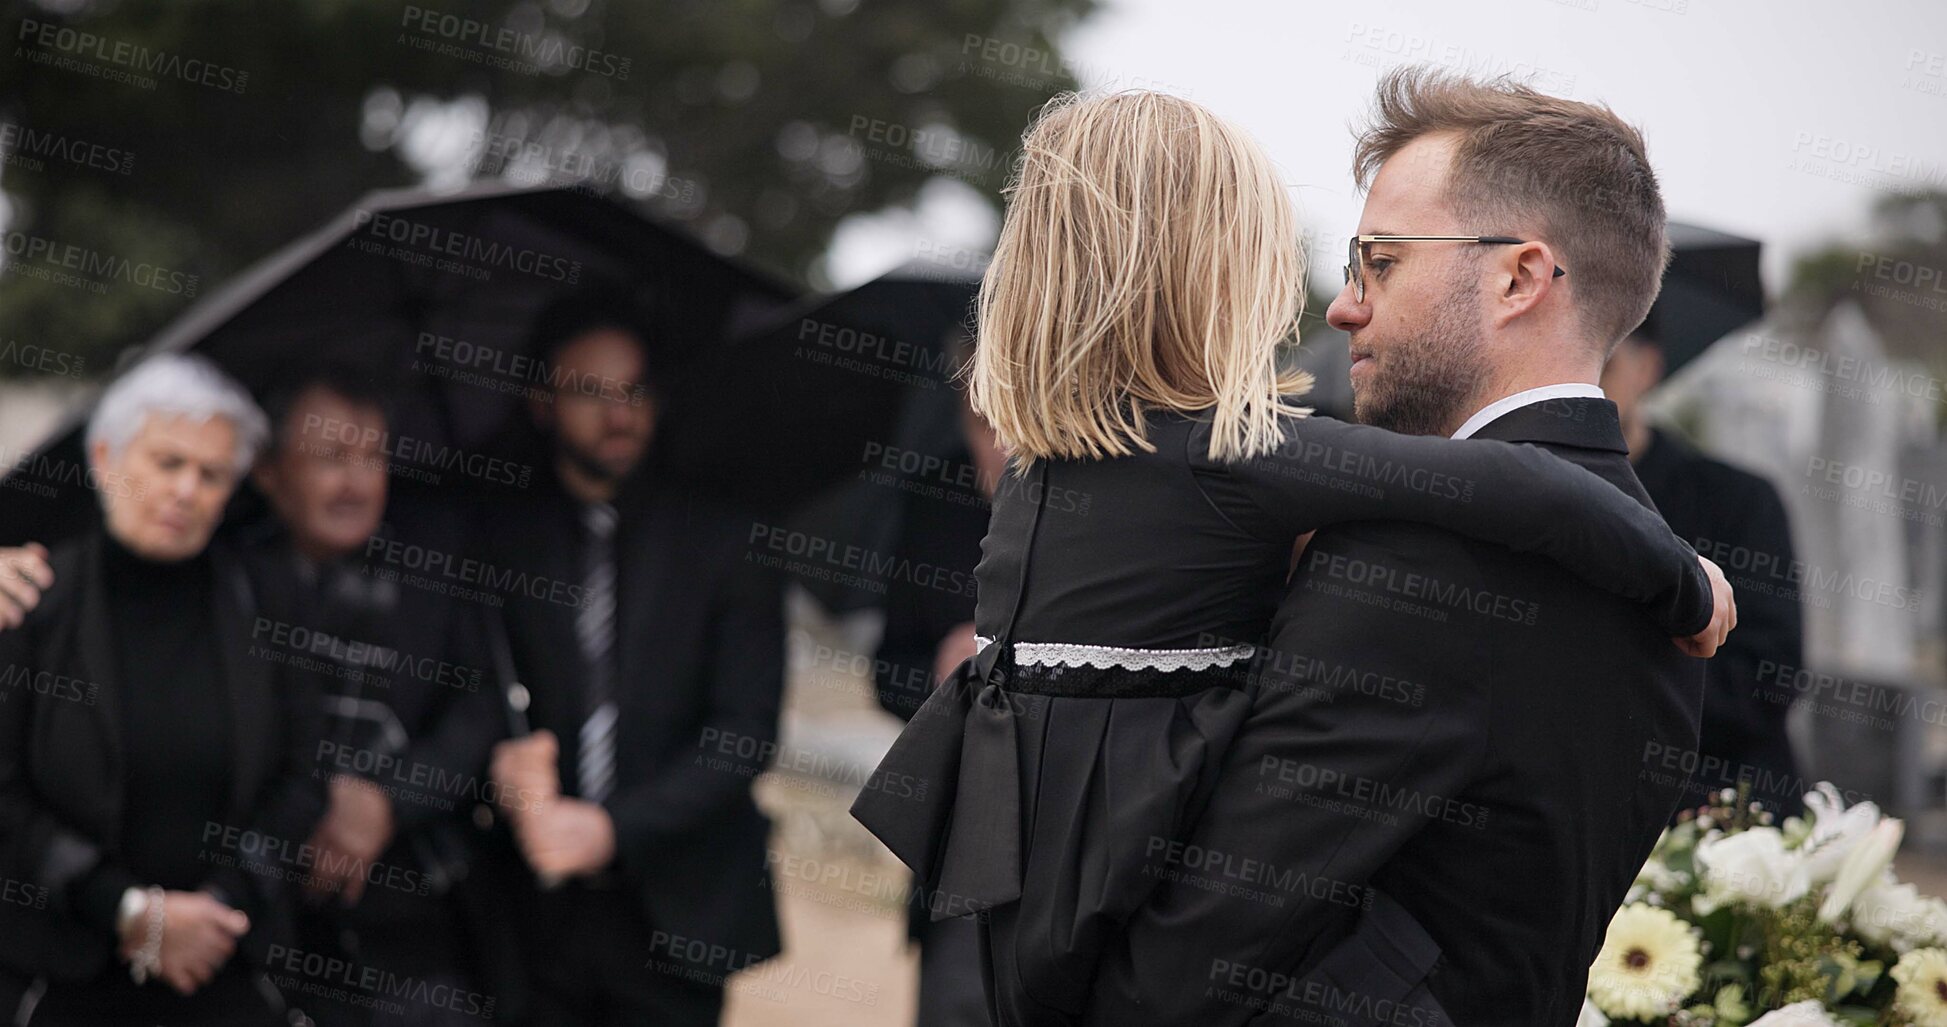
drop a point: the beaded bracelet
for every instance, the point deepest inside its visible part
(147, 961)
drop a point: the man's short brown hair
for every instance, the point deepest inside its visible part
(1574, 173)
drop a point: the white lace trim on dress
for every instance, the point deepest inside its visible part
(1052, 654)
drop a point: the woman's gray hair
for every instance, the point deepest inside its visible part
(177, 385)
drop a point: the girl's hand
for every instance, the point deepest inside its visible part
(1723, 617)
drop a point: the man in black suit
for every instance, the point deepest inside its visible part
(653, 651)
(1737, 519)
(1456, 761)
(411, 714)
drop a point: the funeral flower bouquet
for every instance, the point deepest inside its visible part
(1736, 921)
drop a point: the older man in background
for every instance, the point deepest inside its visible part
(410, 716)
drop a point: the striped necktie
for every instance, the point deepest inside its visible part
(595, 629)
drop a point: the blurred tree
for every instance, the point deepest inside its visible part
(758, 124)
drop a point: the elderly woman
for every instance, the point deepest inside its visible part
(154, 786)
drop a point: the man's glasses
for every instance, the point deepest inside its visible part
(1355, 253)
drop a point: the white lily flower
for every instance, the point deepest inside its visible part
(1835, 829)
(1866, 863)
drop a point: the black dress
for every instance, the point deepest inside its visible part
(1034, 796)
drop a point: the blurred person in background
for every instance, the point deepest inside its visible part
(929, 631)
(1737, 519)
(407, 716)
(653, 651)
(150, 768)
(410, 714)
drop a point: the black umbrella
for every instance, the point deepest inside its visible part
(856, 381)
(1711, 289)
(434, 292)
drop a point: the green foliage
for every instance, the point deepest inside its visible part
(761, 115)
(1802, 958)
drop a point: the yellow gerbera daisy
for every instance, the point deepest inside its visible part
(1648, 964)
(1922, 998)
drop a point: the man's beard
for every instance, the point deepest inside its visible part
(1424, 378)
(588, 463)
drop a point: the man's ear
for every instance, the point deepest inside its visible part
(540, 410)
(1527, 273)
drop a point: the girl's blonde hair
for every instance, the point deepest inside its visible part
(1149, 259)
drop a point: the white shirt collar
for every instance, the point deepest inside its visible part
(1487, 414)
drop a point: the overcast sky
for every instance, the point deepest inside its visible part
(1776, 119)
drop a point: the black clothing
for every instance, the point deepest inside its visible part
(178, 764)
(70, 745)
(699, 676)
(1174, 550)
(177, 781)
(179, 760)
(237, 996)
(1471, 732)
(1737, 519)
(1151, 580)
(938, 532)
(595, 973)
(410, 706)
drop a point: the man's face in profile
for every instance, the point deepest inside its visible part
(1416, 337)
